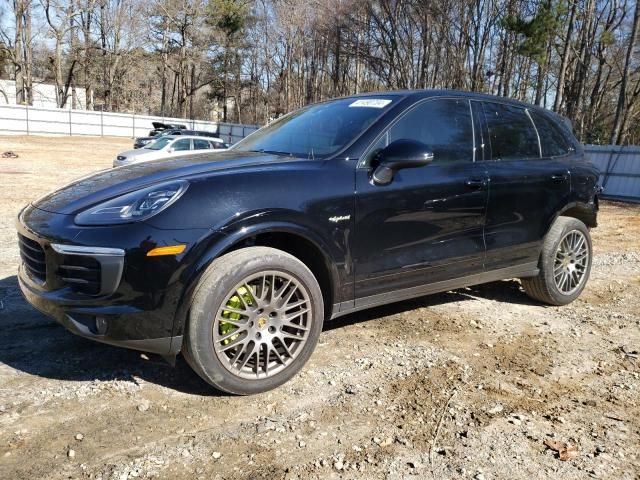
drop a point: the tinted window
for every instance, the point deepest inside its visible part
(553, 142)
(201, 144)
(180, 145)
(511, 132)
(443, 125)
(319, 130)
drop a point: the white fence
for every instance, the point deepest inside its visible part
(24, 120)
(619, 170)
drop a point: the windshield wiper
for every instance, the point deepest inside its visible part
(273, 152)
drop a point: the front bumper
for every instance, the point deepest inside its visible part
(92, 322)
(135, 303)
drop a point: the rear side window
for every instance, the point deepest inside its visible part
(552, 140)
(511, 132)
(201, 144)
(444, 125)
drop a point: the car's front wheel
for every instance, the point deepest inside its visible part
(565, 263)
(254, 321)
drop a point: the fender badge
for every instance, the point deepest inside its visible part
(339, 219)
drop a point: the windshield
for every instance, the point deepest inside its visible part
(158, 144)
(320, 130)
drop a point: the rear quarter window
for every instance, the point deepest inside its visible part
(553, 141)
(511, 132)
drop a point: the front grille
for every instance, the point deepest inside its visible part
(33, 257)
(81, 273)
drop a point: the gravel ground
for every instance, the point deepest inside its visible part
(474, 383)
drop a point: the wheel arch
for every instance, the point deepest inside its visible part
(297, 240)
(587, 213)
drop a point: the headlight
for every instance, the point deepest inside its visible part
(134, 206)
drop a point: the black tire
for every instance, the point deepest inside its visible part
(220, 279)
(543, 286)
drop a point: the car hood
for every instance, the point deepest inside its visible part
(107, 184)
(134, 153)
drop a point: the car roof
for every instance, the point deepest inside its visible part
(425, 93)
(197, 137)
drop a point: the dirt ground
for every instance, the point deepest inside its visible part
(474, 383)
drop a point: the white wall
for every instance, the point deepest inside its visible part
(22, 120)
(44, 95)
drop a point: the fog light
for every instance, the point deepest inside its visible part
(101, 325)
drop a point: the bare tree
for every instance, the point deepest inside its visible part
(617, 132)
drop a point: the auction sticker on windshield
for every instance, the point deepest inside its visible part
(371, 103)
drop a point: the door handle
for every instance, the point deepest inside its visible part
(476, 183)
(559, 177)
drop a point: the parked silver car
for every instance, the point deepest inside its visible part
(170, 146)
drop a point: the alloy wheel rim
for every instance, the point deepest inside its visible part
(571, 262)
(262, 325)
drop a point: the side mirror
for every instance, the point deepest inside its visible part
(398, 155)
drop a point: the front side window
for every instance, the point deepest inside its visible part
(444, 125)
(201, 144)
(321, 130)
(552, 141)
(511, 132)
(182, 145)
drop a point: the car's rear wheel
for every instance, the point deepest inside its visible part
(565, 263)
(254, 321)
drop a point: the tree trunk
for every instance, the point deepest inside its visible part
(73, 41)
(617, 132)
(565, 59)
(57, 62)
(28, 54)
(86, 58)
(19, 61)
(164, 66)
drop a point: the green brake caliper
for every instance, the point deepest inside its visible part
(236, 303)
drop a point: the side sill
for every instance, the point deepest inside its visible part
(524, 270)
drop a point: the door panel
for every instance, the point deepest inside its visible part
(523, 198)
(427, 225)
(525, 189)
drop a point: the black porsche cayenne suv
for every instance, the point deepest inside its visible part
(236, 259)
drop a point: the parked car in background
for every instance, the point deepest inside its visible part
(168, 146)
(142, 141)
(237, 259)
(159, 127)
